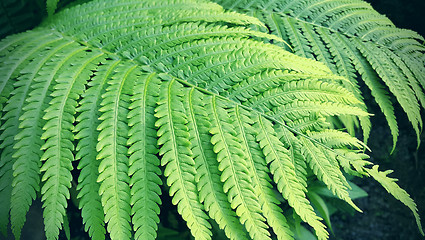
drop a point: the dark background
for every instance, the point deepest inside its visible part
(404, 13)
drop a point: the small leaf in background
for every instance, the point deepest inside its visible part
(320, 205)
(51, 6)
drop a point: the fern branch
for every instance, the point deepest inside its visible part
(235, 175)
(392, 187)
(321, 166)
(225, 126)
(144, 165)
(87, 136)
(210, 187)
(260, 174)
(112, 152)
(14, 58)
(27, 142)
(285, 177)
(353, 23)
(176, 155)
(394, 80)
(371, 79)
(57, 158)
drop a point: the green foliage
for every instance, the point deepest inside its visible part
(356, 42)
(132, 92)
(51, 6)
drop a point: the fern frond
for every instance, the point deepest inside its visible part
(58, 138)
(371, 79)
(27, 141)
(12, 67)
(265, 80)
(126, 86)
(177, 156)
(6, 177)
(331, 30)
(298, 109)
(321, 163)
(392, 187)
(210, 187)
(87, 136)
(284, 174)
(112, 151)
(293, 145)
(394, 79)
(260, 174)
(235, 174)
(144, 165)
(303, 90)
(346, 68)
(14, 59)
(353, 162)
(336, 139)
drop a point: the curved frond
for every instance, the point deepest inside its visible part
(285, 176)
(352, 39)
(392, 187)
(323, 165)
(58, 146)
(87, 136)
(27, 141)
(210, 187)
(144, 165)
(235, 174)
(134, 93)
(112, 150)
(260, 174)
(177, 156)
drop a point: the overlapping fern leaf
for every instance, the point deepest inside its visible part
(356, 42)
(128, 91)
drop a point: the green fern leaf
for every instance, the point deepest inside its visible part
(58, 147)
(112, 150)
(144, 165)
(210, 187)
(260, 174)
(392, 187)
(321, 163)
(285, 177)
(128, 86)
(177, 157)
(385, 67)
(300, 109)
(235, 174)
(13, 58)
(302, 90)
(371, 79)
(293, 144)
(330, 30)
(27, 142)
(87, 135)
(336, 139)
